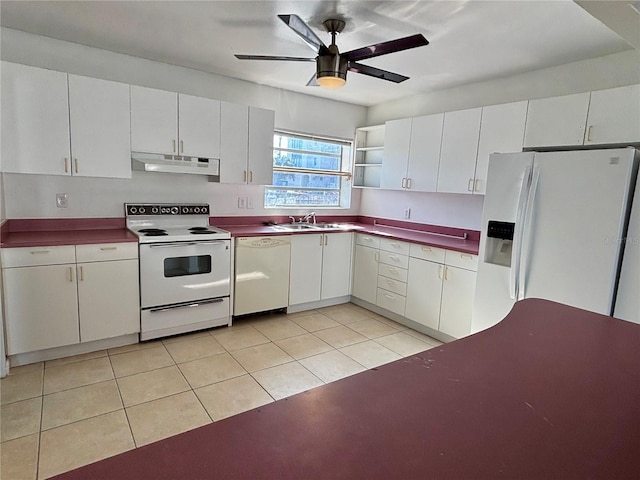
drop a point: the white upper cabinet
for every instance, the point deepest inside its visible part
(198, 126)
(35, 120)
(234, 142)
(557, 121)
(100, 129)
(260, 156)
(424, 153)
(154, 121)
(175, 124)
(459, 150)
(501, 131)
(614, 116)
(397, 141)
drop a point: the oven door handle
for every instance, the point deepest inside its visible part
(185, 244)
(185, 305)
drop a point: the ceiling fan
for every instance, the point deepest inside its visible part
(331, 65)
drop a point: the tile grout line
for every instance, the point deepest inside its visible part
(126, 415)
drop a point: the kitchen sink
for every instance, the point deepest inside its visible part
(329, 225)
(308, 226)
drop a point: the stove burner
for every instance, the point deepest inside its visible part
(199, 229)
(200, 232)
(156, 234)
(152, 230)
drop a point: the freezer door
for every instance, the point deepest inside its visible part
(507, 189)
(572, 238)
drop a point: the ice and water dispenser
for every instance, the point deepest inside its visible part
(499, 243)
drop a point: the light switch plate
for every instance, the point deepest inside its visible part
(62, 201)
(242, 202)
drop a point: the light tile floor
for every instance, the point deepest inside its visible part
(61, 414)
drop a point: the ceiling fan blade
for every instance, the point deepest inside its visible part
(383, 48)
(303, 30)
(376, 72)
(271, 57)
(313, 81)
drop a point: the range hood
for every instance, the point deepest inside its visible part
(151, 162)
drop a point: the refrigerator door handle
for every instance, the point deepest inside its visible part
(517, 235)
(526, 234)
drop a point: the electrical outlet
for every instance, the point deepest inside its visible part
(62, 201)
(249, 202)
(407, 213)
(242, 202)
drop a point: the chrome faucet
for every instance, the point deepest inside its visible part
(293, 219)
(309, 216)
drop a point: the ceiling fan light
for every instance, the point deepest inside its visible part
(331, 71)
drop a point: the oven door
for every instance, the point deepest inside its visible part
(184, 271)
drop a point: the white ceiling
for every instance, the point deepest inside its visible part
(471, 40)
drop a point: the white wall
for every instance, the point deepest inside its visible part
(33, 196)
(465, 211)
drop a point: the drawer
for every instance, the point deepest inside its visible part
(425, 252)
(396, 273)
(106, 251)
(392, 285)
(390, 301)
(394, 259)
(395, 246)
(32, 256)
(462, 260)
(367, 240)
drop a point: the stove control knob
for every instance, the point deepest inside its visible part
(154, 210)
(174, 210)
(142, 210)
(185, 210)
(133, 210)
(196, 209)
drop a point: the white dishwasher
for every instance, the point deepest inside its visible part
(262, 274)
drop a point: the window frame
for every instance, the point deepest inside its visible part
(343, 173)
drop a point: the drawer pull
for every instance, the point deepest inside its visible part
(38, 252)
(427, 249)
(104, 249)
(395, 244)
(468, 257)
(366, 239)
(392, 270)
(395, 258)
(388, 296)
(391, 283)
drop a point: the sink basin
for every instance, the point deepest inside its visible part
(329, 225)
(295, 226)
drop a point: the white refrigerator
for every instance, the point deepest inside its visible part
(552, 226)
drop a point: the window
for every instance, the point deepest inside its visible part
(309, 172)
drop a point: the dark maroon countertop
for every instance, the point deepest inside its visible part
(551, 392)
(59, 231)
(432, 235)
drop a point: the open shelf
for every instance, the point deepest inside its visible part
(368, 155)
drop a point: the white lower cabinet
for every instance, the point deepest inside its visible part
(52, 301)
(456, 306)
(424, 291)
(365, 273)
(320, 267)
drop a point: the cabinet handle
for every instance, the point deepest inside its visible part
(388, 296)
(395, 258)
(377, 257)
(446, 273)
(244, 175)
(81, 274)
(404, 183)
(391, 283)
(366, 239)
(66, 165)
(392, 270)
(174, 145)
(250, 176)
(470, 185)
(104, 249)
(181, 146)
(408, 184)
(36, 252)
(589, 133)
(439, 272)
(427, 249)
(76, 165)
(71, 274)
(476, 185)
(468, 257)
(326, 240)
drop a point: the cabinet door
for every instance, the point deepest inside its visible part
(614, 116)
(501, 131)
(108, 299)
(198, 126)
(99, 115)
(365, 274)
(154, 120)
(261, 125)
(35, 120)
(234, 142)
(556, 121)
(459, 151)
(306, 268)
(457, 301)
(41, 307)
(424, 291)
(424, 153)
(397, 139)
(336, 264)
